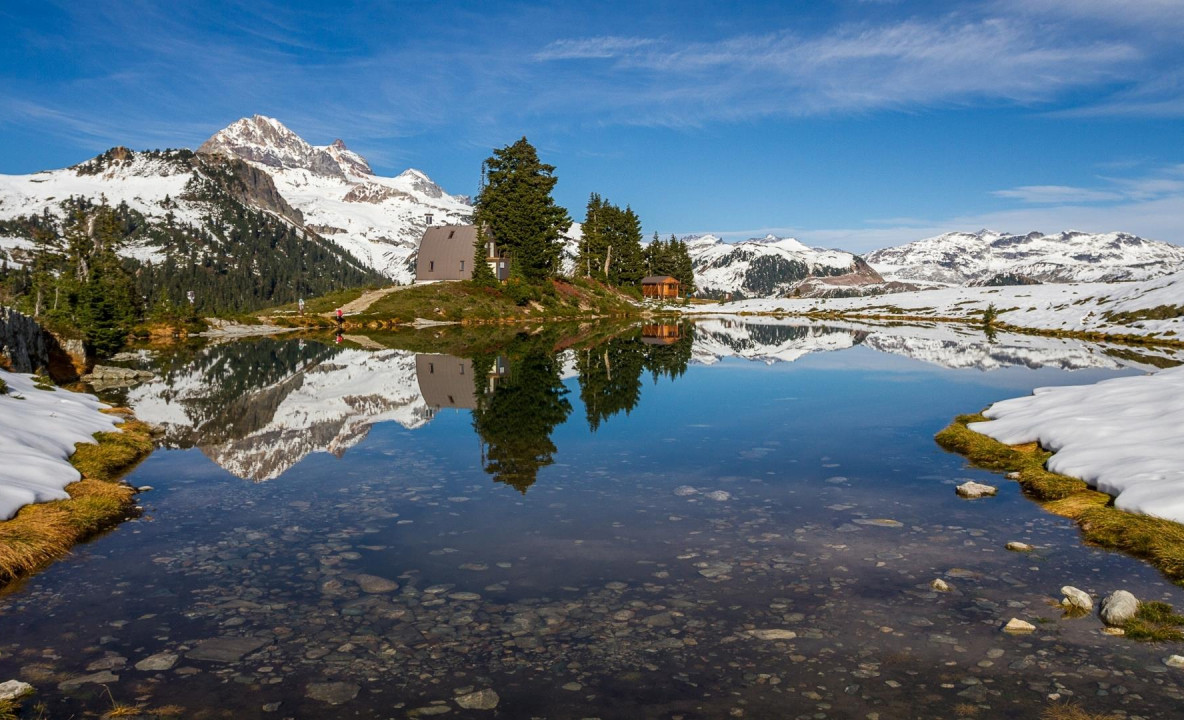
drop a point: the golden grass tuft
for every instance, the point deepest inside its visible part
(41, 533)
(1155, 622)
(8, 710)
(1158, 541)
(1071, 711)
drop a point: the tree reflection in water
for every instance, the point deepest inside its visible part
(521, 397)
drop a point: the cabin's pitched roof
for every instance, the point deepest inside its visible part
(657, 279)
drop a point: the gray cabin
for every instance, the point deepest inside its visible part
(446, 252)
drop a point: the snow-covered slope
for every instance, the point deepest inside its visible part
(1150, 307)
(1122, 436)
(38, 430)
(152, 184)
(379, 220)
(767, 267)
(958, 258)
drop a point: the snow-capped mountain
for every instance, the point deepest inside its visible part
(379, 220)
(769, 266)
(987, 256)
(193, 221)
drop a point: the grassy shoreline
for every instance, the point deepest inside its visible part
(1159, 542)
(43, 532)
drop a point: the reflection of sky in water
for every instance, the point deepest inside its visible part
(618, 570)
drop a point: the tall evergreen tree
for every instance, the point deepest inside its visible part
(516, 207)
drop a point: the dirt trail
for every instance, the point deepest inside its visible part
(366, 299)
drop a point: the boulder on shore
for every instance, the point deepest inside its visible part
(1118, 608)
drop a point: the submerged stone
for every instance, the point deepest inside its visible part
(225, 649)
(481, 700)
(333, 693)
(773, 634)
(1015, 625)
(159, 661)
(376, 585)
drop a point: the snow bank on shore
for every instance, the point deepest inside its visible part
(38, 429)
(1126, 308)
(1124, 436)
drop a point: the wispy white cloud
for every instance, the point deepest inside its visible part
(951, 60)
(1159, 183)
(595, 47)
(1056, 194)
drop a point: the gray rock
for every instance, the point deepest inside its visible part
(940, 585)
(719, 495)
(1015, 546)
(225, 649)
(100, 677)
(1075, 598)
(1119, 607)
(13, 689)
(773, 634)
(974, 490)
(1174, 661)
(685, 490)
(376, 585)
(480, 700)
(334, 693)
(159, 661)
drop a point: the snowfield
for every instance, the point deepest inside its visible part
(958, 257)
(1086, 307)
(1124, 436)
(38, 430)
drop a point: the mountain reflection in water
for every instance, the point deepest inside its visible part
(258, 407)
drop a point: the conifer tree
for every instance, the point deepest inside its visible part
(516, 207)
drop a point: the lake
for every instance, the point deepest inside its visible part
(680, 520)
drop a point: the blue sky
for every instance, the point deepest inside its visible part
(853, 124)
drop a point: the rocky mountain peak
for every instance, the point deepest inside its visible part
(349, 161)
(267, 141)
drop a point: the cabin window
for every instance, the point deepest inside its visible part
(451, 233)
(462, 265)
(431, 368)
(462, 369)
(431, 266)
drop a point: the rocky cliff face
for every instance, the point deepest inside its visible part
(27, 347)
(23, 343)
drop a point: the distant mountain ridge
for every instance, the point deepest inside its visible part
(990, 257)
(770, 266)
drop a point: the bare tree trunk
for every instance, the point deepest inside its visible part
(608, 260)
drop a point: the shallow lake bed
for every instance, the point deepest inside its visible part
(727, 519)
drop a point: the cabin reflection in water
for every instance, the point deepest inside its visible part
(660, 334)
(446, 381)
